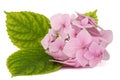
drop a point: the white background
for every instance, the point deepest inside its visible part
(109, 18)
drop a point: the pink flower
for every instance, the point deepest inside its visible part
(82, 41)
(76, 41)
(50, 37)
(94, 54)
(56, 49)
(61, 23)
(83, 21)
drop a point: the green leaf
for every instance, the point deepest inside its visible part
(26, 29)
(31, 62)
(93, 15)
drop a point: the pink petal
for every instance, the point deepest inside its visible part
(81, 16)
(64, 31)
(84, 37)
(66, 19)
(52, 32)
(59, 55)
(93, 47)
(69, 62)
(70, 48)
(88, 55)
(93, 63)
(96, 49)
(56, 21)
(76, 28)
(57, 45)
(88, 26)
(51, 36)
(72, 33)
(106, 55)
(92, 22)
(73, 17)
(93, 31)
(59, 21)
(77, 23)
(84, 21)
(45, 41)
(62, 56)
(100, 41)
(80, 58)
(107, 34)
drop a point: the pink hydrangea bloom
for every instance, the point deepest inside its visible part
(61, 24)
(76, 41)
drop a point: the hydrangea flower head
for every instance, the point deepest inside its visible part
(76, 41)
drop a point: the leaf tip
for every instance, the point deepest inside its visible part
(12, 76)
(95, 10)
(5, 12)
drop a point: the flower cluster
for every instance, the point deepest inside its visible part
(76, 40)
